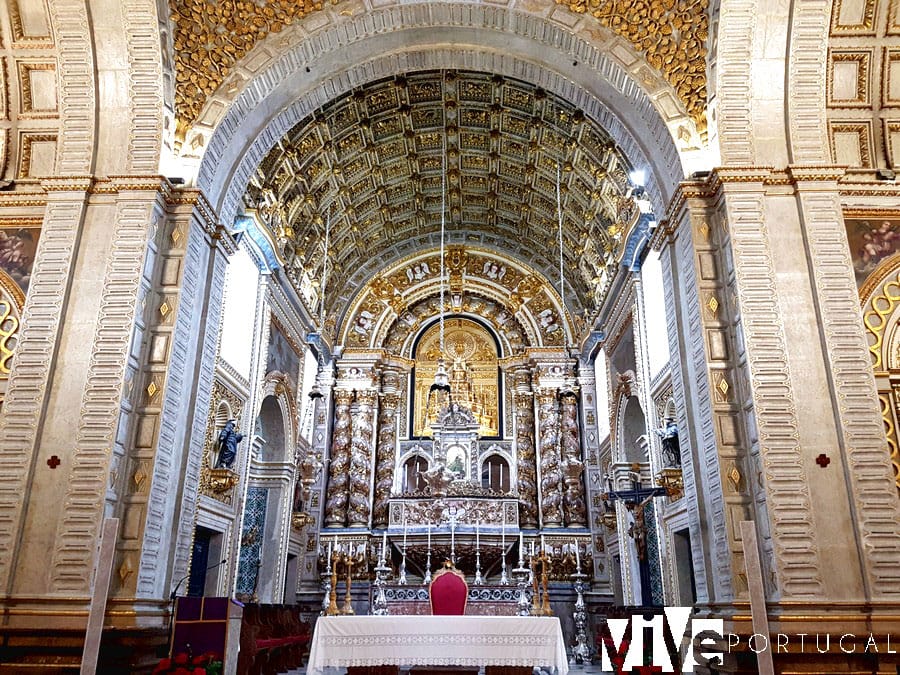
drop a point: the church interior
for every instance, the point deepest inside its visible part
(595, 303)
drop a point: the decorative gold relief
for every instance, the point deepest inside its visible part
(38, 154)
(890, 87)
(672, 480)
(876, 313)
(37, 88)
(890, 432)
(672, 36)
(9, 328)
(301, 519)
(849, 78)
(722, 387)
(221, 480)
(853, 17)
(211, 37)
(735, 478)
(126, 569)
(851, 143)
(712, 304)
(153, 388)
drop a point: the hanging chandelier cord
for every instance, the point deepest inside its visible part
(443, 218)
(562, 288)
(325, 271)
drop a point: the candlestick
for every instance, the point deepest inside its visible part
(404, 533)
(521, 549)
(503, 531)
(329, 553)
(384, 546)
(477, 535)
(543, 545)
(577, 556)
(532, 548)
(429, 536)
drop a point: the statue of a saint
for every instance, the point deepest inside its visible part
(670, 448)
(228, 441)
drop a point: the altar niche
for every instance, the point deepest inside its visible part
(471, 354)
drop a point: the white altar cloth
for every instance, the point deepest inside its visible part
(345, 641)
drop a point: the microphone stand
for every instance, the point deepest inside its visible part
(172, 598)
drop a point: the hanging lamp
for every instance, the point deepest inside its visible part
(441, 377)
(315, 391)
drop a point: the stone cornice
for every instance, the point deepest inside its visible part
(763, 176)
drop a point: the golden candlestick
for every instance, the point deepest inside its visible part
(535, 589)
(348, 608)
(545, 578)
(332, 596)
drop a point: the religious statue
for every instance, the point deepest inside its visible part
(437, 479)
(457, 414)
(227, 444)
(670, 448)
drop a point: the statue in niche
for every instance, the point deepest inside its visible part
(227, 445)
(670, 447)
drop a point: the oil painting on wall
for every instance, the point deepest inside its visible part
(872, 240)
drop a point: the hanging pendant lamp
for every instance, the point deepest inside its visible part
(315, 392)
(441, 378)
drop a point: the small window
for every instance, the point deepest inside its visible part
(495, 474)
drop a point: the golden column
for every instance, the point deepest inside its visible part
(361, 459)
(339, 471)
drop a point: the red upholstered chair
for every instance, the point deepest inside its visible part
(448, 591)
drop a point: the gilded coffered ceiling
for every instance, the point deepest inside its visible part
(374, 160)
(211, 37)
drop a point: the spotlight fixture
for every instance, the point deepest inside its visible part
(176, 180)
(886, 174)
(315, 392)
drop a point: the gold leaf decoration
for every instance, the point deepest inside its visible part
(211, 37)
(672, 36)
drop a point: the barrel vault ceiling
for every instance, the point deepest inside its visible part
(371, 164)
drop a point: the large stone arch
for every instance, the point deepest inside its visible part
(382, 43)
(772, 120)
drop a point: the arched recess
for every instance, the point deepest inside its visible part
(632, 428)
(522, 306)
(881, 316)
(11, 303)
(305, 77)
(276, 420)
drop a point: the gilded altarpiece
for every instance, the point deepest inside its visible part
(471, 356)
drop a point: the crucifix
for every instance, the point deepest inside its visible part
(452, 514)
(635, 499)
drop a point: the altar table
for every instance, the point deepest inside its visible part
(368, 641)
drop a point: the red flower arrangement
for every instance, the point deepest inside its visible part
(185, 664)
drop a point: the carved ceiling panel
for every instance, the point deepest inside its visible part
(374, 164)
(211, 38)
